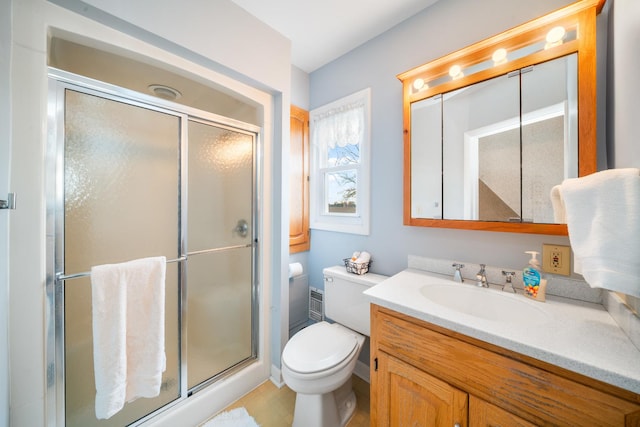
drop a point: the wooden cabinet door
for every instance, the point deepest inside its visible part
(409, 397)
(484, 414)
(299, 239)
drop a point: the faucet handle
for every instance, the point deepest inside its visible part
(508, 275)
(457, 275)
(508, 286)
(482, 277)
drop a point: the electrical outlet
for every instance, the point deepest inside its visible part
(556, 259)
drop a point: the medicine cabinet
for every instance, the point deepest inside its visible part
(490, 129)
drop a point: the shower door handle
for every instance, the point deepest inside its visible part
(242, 228)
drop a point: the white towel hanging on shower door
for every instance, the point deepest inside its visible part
(128, 332)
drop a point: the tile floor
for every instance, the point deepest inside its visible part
(273, 407)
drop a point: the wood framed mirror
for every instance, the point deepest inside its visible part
(491, 128)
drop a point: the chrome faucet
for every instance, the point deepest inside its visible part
(508, 285)
(457, 275)
(482, 277)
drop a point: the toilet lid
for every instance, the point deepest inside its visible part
(318, 347)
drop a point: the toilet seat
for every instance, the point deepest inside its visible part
(319, 347)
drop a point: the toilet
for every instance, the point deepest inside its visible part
(318, 361)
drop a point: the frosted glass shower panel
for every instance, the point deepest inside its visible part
(219, 313)
(121, 175)
(121, 168)
(220, 186)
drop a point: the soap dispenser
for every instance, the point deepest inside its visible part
(534, 283)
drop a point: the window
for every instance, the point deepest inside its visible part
(340, 156)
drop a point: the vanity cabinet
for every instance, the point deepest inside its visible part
(484, 414)
(416, 398)
(423, 374)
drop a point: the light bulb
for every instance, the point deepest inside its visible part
(555, 37)
(499, 56)
(455, 72)
(419, 84)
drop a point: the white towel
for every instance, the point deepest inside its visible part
(602, 213)
(128, 332)
(559, 211)
(238, 417)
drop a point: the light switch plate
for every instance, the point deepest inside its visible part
(556, 259)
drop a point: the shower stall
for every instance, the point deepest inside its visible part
(131, 176)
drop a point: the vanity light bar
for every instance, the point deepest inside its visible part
(556, 36)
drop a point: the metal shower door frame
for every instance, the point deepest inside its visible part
(59, 82)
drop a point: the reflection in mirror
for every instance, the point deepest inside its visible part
(492, 151)
(469, 113)
(550, 141)
(426, 158)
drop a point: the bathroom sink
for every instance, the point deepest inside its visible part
(484, 303)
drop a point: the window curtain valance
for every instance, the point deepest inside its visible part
(340, 126)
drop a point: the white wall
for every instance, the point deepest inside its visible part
(238, 52)
(299, 88)
(624, 105)
(623, 122)
(217, 30)
(5, 136)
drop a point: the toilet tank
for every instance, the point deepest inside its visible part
(344, 301)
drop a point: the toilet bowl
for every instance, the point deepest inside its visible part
(317, 362)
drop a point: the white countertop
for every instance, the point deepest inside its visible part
(579, 336)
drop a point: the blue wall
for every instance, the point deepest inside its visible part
(440, 29)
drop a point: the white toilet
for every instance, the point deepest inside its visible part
(317, 362)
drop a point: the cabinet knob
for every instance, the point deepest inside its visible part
(456, 425)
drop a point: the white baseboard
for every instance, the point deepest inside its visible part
(362, 370)
(276, 376)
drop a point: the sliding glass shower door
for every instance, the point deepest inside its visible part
(121, 192)
(132, 180)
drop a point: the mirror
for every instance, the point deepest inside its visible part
(486, 142)
(491, 150)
